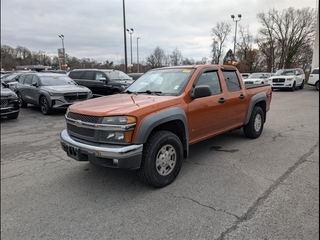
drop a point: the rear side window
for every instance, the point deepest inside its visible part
(90, 75)
(75, 74)
(315, 71)
(232, 81)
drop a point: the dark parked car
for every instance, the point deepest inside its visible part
(101, 81)
(9, 102)
(50, 91)
(135, 76)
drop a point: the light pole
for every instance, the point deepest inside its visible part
(125, 38)
(138, 53)
(64, 53)
(130, 31)
(235, 34)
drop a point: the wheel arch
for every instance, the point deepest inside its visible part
(260, 100)
(172, 119)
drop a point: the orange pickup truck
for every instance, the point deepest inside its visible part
(151, 124)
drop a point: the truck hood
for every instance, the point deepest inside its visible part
(121, 104)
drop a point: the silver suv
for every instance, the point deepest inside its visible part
(314, 78)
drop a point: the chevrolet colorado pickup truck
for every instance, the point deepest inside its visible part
(152, 123)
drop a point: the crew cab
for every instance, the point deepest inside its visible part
(151, 124)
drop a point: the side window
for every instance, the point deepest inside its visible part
(34, 80)
(89, 75)
(232, 81)
(315, 71)
(212, 80)
(28, 79)
(75, 74)
(22, 78)
(99, 75)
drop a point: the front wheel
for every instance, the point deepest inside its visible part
(317, 85)
(13, 116)
(44, 106)
(293, 87)
(22, 103)
(302, 85)
(254, 127)
(161, 159)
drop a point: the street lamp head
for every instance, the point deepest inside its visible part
(138, 38)
(61, 36)
(232, 16)
(131, 29)
(239, 15)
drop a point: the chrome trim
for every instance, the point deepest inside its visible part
(106, 151)
(100, 126)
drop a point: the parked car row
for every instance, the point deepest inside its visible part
(58, 90)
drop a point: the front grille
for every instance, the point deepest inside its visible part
(83, 118)
(80, 132)
(4, 102)
(276, 80)
(249, 82)
(83, 133)
(72, 97)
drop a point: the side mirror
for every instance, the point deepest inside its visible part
(201, 91)
(103, 79)
(34, 84)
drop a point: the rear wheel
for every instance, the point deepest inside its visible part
(44, 106)
(162, 159)
(317, 85)
(254, 127)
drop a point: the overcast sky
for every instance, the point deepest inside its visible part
(94, 29)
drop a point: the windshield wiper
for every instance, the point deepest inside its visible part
(147, 91)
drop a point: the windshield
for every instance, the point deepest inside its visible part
(283, 72)
(259, 75)
(161, 81)
(117, 75)
(56, 80)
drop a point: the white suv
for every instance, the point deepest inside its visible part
(292, 79)
(314, 78)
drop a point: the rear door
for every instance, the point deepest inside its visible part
(236, 99)
(207, 115)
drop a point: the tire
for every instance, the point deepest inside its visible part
(161, 159)
(302, 85)
(254, 127)
(293, 87)
(317, 85)
(44, 106)
(22, 103)
(13, 116)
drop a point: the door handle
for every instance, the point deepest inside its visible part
(222, 100)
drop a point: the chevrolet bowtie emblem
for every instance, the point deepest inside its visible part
(78, 123)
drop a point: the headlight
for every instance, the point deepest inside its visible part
(90, 95)
(55, 94)
(119, 120)
(289, 79)
(119, 129)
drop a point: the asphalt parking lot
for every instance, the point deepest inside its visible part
(230, 187)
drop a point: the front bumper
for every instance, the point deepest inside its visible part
(9, 107)
(114, 156)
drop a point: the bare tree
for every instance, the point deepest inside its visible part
(175, 57)
(284, 33)
(156, 59)
(220, 33)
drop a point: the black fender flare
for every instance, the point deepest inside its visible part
(260, 97)
(163, 116)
